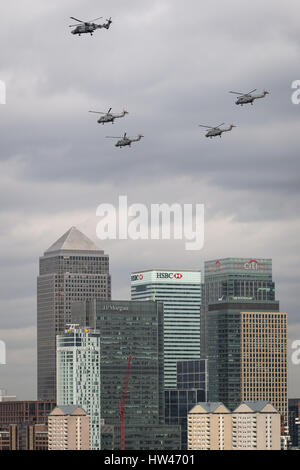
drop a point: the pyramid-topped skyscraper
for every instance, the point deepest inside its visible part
(73, 239)
(72, 269)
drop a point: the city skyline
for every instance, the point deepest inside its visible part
(129, 288)
(56, 168)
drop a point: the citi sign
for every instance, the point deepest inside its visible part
(253, 264)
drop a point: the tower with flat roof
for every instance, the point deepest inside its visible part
(180, 292)
(72, 269)
(248, 279)
(78, 375)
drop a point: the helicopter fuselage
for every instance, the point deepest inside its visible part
(213, 133)
(123, 143)
(106, 118)
(84, 28)
(245, 100)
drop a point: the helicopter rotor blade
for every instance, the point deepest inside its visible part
(252, 91)
(109, 110)
(217, 127)
(236, 93)
(96, 19)
(97, 112)
(76, 19)
(113, 137)
(206, 127)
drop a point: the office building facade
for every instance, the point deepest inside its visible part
(178, 403)
(180, 292)
(78, 375)
(131, 328)
(25, 412)
(72, 269)
(294, 422)
(192, 382)
(247, 348)
(235, 279)
(24, 437)
(192, 375)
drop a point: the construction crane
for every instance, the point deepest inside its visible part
(122, 405)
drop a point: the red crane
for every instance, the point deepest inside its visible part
(122, 405)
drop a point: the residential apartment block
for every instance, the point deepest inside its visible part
(251, 426)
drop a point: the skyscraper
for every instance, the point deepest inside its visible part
(245, 333)
(247, 353)
(78, 375)
(72, 269)
(131, 328)
(180, 292)
(234, 279)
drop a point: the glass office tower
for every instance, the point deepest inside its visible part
(247, 353)
(180, 292)
(235, 279)
(192, 382)
(131, 328)
(78, 375)
(72, 269)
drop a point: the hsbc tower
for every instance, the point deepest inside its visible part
(180, 291)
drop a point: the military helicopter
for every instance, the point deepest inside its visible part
(88, 26)
(246, 98)
(124, 141)
(216, 131)
(109, 117)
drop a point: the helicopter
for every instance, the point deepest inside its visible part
(124, 141)
(109, 117)
(216, 131)
(88, 26)
(246, 98)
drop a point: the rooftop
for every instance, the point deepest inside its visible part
(73, 240)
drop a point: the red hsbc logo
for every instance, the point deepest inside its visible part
(169, 275)
(137, 277)
(178, 276)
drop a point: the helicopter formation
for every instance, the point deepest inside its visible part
(244, 98)
(88, 27)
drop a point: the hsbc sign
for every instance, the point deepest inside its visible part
(159, 275)
(169, 275)
(137, 277)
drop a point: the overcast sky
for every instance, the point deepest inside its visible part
(170, 64)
